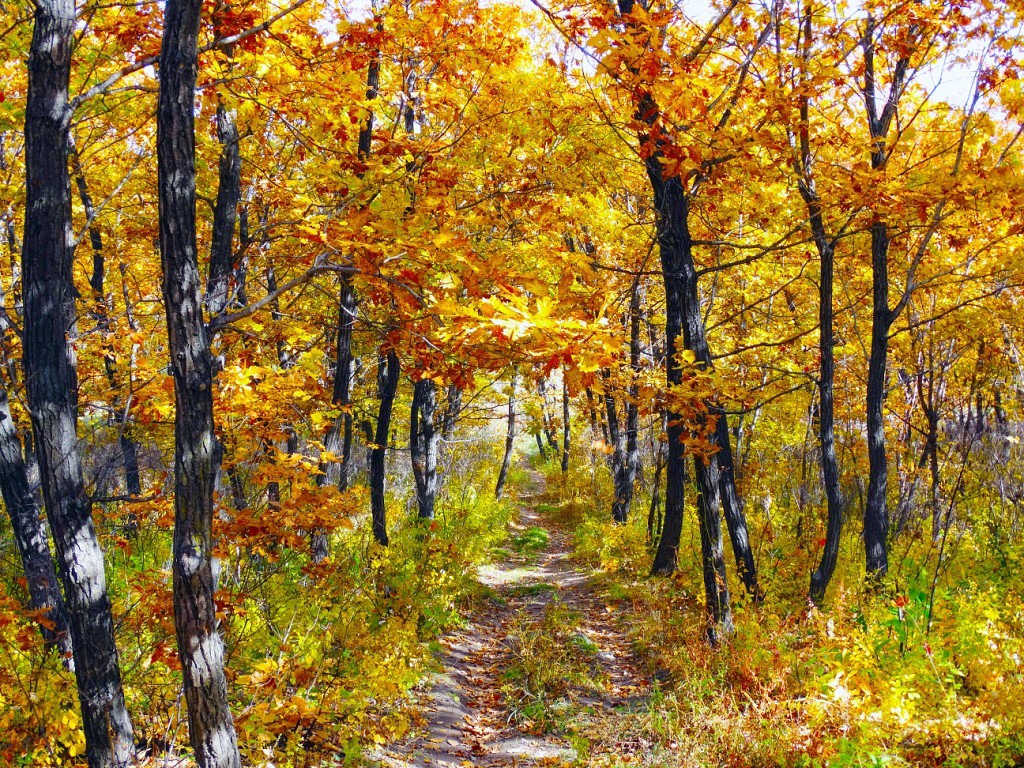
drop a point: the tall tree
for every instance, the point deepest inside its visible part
(879, 121)
(52, 386)
(424, 437)
(565, 423)
(510, 438)
(30, 536)
(803, 164)
(387, 378)
(200, 646)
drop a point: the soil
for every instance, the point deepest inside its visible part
(464, 718)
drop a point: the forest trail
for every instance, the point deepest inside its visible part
(465, 716)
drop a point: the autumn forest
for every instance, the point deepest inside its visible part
(491, 383)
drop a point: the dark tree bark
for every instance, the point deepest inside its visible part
(592, 411)
(388, 387)
(510, 439)
(826, 335)
(565, 425)
(338, 440)
(540, 447)
(51, 383)
(423, 440)
(225, 213)
(654, 516)
(625, 448)
(29, 534)
(200, 646)
(732, 508)
(876, 512)
(623, 461)
(547, 420)
(452, 409)
(372, 84)
(683, 317)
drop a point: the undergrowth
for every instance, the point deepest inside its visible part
(319, 656)
(901, 676)
(550, 659)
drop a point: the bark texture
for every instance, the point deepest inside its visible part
(826, 334)
(30, 536)
(565, 425)
(510, 439)
(388, 380)
(683, 317)
(200, 645)
(51, 383)
(225, 212)
(423, 441)
(338, 440)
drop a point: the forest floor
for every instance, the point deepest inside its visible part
(537, 672)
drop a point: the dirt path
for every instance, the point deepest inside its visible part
(466, 718)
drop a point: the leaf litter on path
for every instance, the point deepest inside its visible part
(468, 715)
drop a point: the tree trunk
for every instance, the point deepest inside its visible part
(510, 438)
(626, 456)
(682, 313)
(876, 512)
(423, 440)
(732, 507)
(547, 419)
(826, 337)
(826, 432)
(378, 454)
(654, 519)
(29, 534)
(622, 484)
(452, 409)
(200, 646)
(338, 440)
(565, 424)
(225, 212)
(51, 383)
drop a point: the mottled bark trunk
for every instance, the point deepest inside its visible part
(510, 439)
(225, 212)
(626, 450)
(654, 517)
(452, 409)
(826, 336)
(547, 420)
(622, 479)
(592, 412)
(423, 441)
(378, 454)
(200, 646)
(338, 440)
(732, 508)
(51, 383)
(826, 433)
(683, 315)
(876, 512)
(30, 536)
(565, 425)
